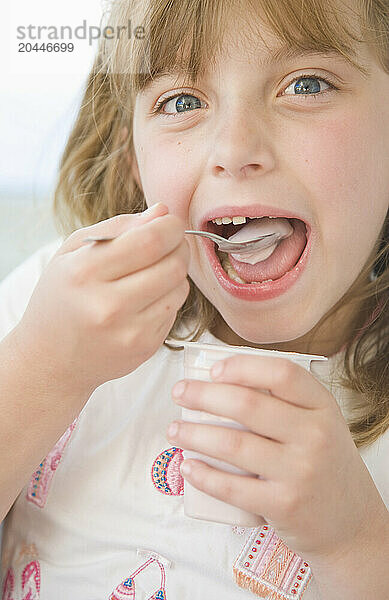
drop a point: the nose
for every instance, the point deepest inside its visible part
(241, 147)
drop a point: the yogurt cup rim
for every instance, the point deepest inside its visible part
(249, 350)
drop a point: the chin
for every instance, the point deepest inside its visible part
(265, 332)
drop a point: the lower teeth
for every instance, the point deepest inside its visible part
(229, 269)
(235, 276)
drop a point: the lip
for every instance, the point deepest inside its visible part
(260, 291)
(249, 210)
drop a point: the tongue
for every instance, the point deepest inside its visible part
(283, 258)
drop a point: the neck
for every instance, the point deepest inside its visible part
(326, 338)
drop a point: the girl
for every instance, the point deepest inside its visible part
(222, 110)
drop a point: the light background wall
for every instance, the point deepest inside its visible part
(40, 95)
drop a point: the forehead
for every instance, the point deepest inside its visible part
(188, 47)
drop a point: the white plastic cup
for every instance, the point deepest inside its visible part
(198, 360)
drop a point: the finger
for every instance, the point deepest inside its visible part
(158, 318)
(283, 378)
(137, 248)
(262, 413)
(250, 494)
(112, 227)
(144, 287)
(243, 449)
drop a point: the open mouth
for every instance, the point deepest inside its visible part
(284, 256)
(267, 278)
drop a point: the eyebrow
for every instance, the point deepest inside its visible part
(280, 54)
(287, 52)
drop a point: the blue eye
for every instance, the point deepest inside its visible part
(308, 85)
(180, 103)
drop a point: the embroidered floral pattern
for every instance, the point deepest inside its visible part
(165, 472)
(30, 580)
(267, 567)
(126, 589)
(239, 530)
(8, 586)
(39, 485)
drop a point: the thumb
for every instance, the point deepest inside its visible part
(154, 211)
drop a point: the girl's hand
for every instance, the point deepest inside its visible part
(101, 310)
(317, 492)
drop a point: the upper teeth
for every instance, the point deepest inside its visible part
(234, 220)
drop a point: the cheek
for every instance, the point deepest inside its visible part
(169, 173)
(332, 159)
(339, 168)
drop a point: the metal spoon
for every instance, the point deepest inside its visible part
(257, 243)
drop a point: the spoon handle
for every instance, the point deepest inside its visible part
(212, 236)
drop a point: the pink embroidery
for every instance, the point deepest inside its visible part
(238, 530)
(267, 567)
(8, 586)
(39, 485)
(126, 589)
(31, 581)
(165, 472)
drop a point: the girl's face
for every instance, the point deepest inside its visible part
(245, 137)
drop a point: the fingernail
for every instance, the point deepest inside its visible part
(185, 468)
(217, 369)
(179, 389)
(173, 429)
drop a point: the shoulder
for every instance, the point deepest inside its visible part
(17, 287)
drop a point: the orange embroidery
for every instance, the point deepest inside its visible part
(267, 567)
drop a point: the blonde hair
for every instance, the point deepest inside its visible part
(95, 182)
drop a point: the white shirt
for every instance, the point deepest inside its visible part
(96, 511)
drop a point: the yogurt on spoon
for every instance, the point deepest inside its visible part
(258, 227)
